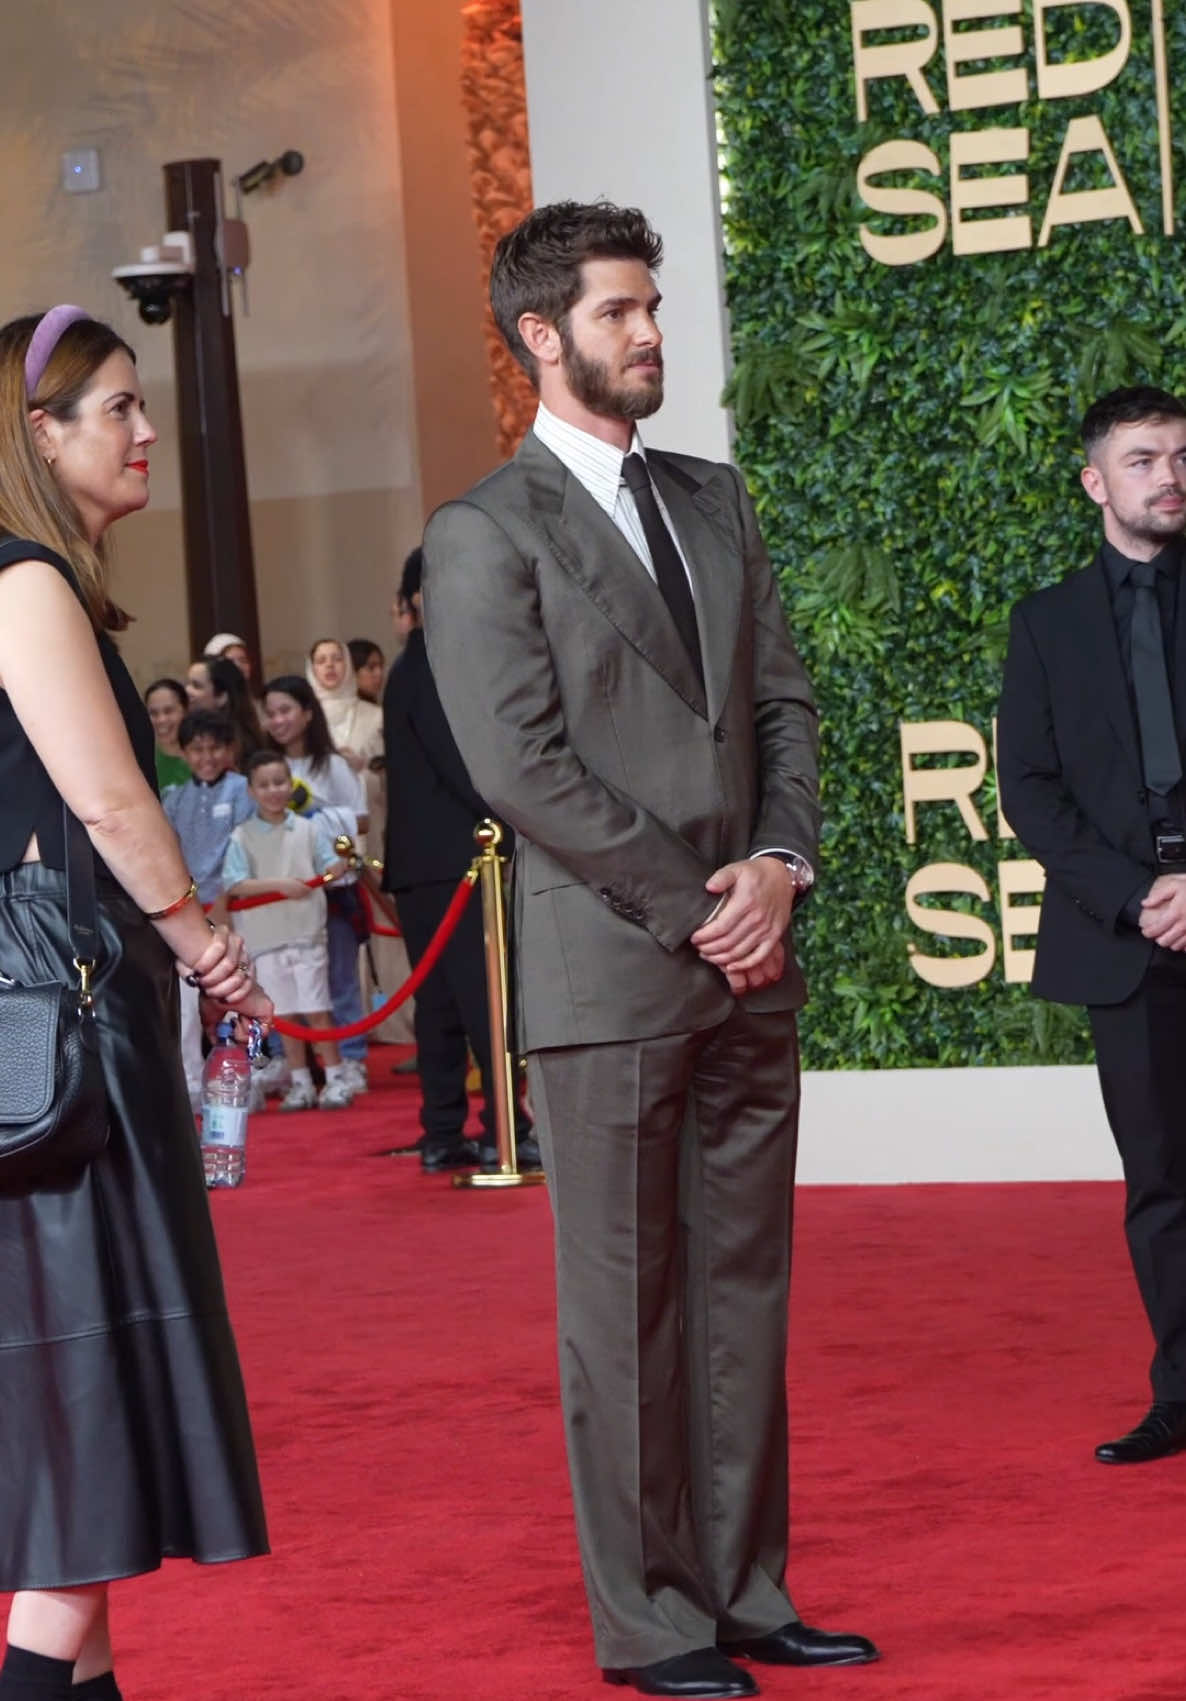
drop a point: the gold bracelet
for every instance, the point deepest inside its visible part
(191, 891)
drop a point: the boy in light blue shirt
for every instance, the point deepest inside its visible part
(205, 812)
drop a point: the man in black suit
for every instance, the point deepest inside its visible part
(1091, 735)
(432, 810)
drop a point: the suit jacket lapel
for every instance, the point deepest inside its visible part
(1103, 655)
(1178, 679)
(711, 548)
(593, 551)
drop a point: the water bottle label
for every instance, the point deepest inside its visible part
(224, 1125)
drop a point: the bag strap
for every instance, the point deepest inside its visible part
(82, 919)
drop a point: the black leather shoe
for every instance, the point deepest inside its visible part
(704, 1672)
(799, 1645)
(1160, 1432)
(435, 1159)
(527, 1155)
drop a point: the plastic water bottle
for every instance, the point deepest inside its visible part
(226, 1096)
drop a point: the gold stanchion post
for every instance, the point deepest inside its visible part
(501, 1088)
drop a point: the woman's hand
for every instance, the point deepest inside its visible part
(352, 758)
(262, 1011)
(222, 971)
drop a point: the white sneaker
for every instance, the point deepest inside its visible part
(300, 1096)
(275, 1076)
(356, 1074)
(335, 1095)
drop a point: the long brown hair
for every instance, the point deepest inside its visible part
(32, 503)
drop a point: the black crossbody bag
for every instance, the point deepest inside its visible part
(53, 1100)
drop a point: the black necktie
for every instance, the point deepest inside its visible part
(1151, 686)
(665, 558)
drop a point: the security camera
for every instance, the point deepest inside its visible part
(161, 273)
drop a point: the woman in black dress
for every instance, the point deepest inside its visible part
(124, 1435)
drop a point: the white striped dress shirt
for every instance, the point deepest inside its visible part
(598, 466)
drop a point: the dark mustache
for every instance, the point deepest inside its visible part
(653, 357)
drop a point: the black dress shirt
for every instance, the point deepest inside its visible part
(1117, 567)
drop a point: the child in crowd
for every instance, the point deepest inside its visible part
(297, 727)
(204, 812)
(277, 851)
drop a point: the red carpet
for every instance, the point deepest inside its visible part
(956, 1353)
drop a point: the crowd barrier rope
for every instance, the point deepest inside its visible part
(449, 921)
(373, 897)
(371, 894)
(485, 870)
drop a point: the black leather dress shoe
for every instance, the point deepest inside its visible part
(435, 1159)
(704, 1672)
(1160, 1432)
(527, 1155)
(799, 1645)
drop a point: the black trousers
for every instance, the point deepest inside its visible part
(452, 1010)
(1140, 1049)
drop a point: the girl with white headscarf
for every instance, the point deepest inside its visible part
(355, 725)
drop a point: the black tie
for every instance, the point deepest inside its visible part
(665, 558)
(1151, 686)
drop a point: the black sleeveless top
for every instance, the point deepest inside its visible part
(29, 802)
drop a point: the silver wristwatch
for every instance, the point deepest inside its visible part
(802, 872)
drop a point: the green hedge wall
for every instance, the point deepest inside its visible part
(909, 434)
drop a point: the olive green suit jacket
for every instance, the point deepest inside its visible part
(583, 723)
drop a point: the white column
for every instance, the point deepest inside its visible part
(619, 106)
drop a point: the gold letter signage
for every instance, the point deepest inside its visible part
(1017, 878)
(947, 30)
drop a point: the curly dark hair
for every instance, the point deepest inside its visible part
(537, 266)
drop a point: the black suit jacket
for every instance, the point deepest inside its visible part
(1072, 786)
(432, 807)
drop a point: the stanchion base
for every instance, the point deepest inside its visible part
(525, 1178)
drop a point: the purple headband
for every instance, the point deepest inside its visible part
(45, 340)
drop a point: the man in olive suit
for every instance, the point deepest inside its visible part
(608, 642)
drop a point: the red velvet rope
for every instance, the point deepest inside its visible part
(414, 981)
(267, 897)
(375, 925)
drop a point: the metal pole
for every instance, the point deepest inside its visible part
(501, 1087)
(219, 564)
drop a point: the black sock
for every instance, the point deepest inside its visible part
(102, 1688)
(25, 1676)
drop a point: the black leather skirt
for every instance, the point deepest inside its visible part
(124, 1435)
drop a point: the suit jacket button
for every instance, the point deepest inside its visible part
(718, 732)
